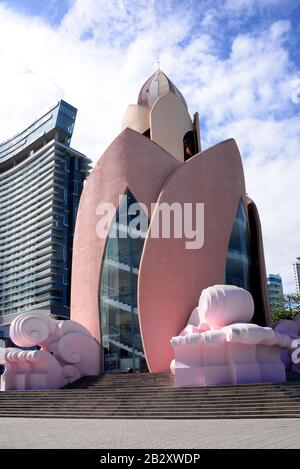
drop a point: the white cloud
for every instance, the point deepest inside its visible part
(238, 5)
(102, 52)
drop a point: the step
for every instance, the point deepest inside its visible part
(157, 405)
(160, 398)
(153, 396)
(158, 408)
(206, 390)
(158, 415)
(174, 417)
(26, 395)
(84, 399)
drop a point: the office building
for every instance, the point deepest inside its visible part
(41, 180)
(275, 291)
(297, 274)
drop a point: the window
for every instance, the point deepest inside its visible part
(75, 187)
(64, 253)
(67, 164)
(66, 218)
(238, 263)
(75, 212)
(147, 133)
(65, 277)
(189, 146)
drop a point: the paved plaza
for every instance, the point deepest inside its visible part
(198, 434)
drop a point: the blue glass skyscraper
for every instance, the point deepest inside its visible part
(275, 292)
(41, 179)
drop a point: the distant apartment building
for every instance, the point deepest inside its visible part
(297, 274)
(41, 179)
(275, 290)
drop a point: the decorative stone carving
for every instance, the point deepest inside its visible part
(219, 346)
(67, 352)
(292, 329)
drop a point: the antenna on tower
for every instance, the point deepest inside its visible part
(158, 64)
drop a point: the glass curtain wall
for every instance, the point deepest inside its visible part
(238, 265)
(121, 338)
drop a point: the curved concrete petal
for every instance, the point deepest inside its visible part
(260, 290)
(132, 161)
(171, 276)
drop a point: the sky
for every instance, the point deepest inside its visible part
(237, 62)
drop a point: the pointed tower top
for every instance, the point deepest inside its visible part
(155, 87)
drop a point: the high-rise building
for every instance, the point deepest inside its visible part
(297, 274)
(41, 179)
(275, 290)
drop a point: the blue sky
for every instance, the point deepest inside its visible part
(258, 15)
(51, 11)
(237, 62)
(246, 16)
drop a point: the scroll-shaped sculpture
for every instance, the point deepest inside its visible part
(291, 327)
(67, 352)
(219, 346)
(222, 305)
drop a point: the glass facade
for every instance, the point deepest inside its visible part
(275, 291)
(61, 117)
(39, 197)
(121, 338)
(238, 265)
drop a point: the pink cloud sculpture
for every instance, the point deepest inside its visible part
(67, 352)
(291, 357)
(220, 346)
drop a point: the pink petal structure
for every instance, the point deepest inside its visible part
(231, 351)
(131, 161)
(67, 352)
(172, 276)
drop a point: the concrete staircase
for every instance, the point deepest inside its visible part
(153, 396)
